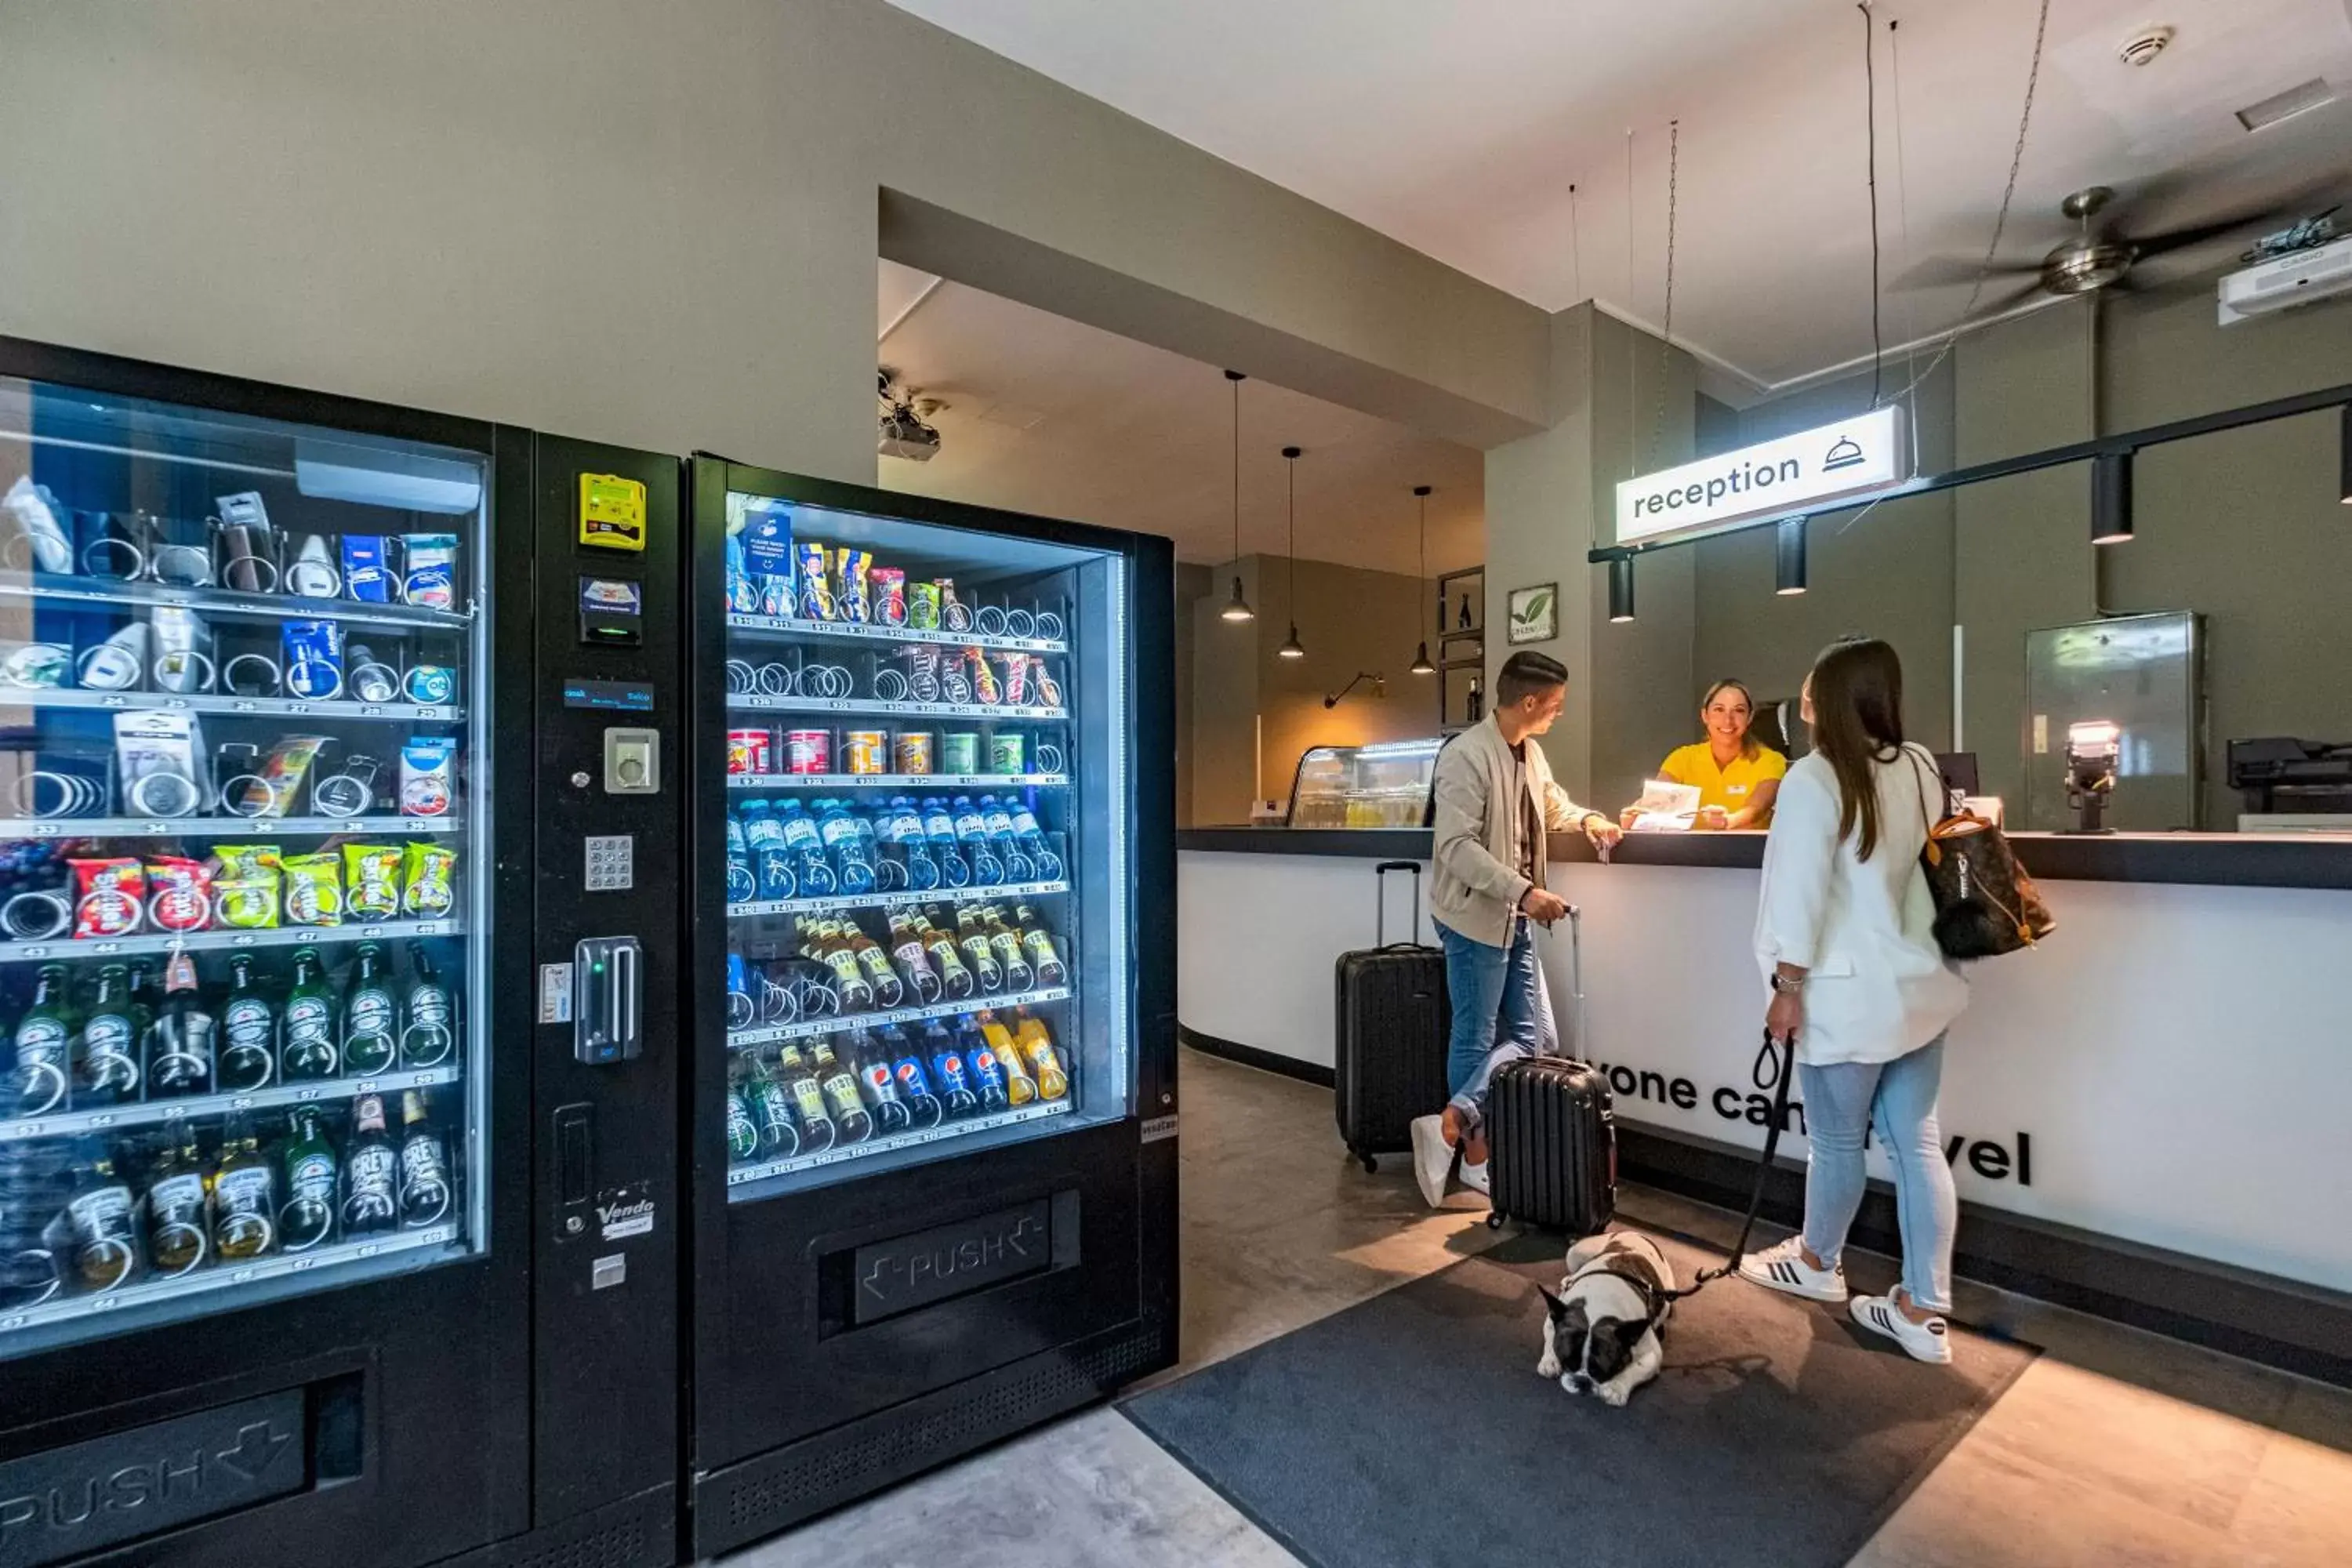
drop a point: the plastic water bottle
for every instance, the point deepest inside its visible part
(768, 838)
(971, 836)
(741, 884)
(846, 847)
(907, 826)
(807, 851)
(1019, 865)
(939, 828)
(1032, 839)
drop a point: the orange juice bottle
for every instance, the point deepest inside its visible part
(1036, 1051)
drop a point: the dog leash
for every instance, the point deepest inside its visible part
(1775, 1072)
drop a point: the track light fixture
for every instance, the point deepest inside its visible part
(1789, 556)
(1621, 589)
(1237, 608)
(1421, 665)
(2111, 498)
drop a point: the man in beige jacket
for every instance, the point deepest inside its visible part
(1495, 803)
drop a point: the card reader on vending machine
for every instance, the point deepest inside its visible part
(607, 1007)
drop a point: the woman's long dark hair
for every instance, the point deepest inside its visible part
(1857, 721)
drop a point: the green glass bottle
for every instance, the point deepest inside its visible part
(245, 1195)
(772, 1111)
(308, 1217)
(428, 1033)
(248, 1052)
(105, 1245)
(309, 1047)
(44, 1046)
(742, 1131)
(369, 1042)
(107, 1067)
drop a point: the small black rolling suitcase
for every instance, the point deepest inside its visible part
(1393, 1019)
(1551, 1135)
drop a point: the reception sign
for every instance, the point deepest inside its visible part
(1808, 471)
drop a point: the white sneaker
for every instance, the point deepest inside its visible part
(1927, 1341)
(1475, 1177)
(1782, 1268)
(1433, 1159)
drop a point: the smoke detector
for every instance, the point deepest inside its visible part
(2143, 46)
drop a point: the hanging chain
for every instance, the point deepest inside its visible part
(1667, 332)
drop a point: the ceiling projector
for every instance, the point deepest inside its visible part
(905, 428)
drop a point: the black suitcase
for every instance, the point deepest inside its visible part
(1551, 1135)
(1389, 1066)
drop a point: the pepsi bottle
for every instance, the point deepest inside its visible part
(914, 1084)
(980, 1059)
(948, 1073)
(878, 1080)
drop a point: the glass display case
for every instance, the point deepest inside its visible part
(243, 823)
(927, 777)
(1382, 785)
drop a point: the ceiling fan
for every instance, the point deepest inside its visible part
(2099, 255)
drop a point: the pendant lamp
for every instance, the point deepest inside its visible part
(1291, 647)
(1621, 589)
(1237, 608)
(2111, 498)
(1789, 556)
(1421, 665)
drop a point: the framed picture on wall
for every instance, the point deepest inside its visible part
(1534, 614)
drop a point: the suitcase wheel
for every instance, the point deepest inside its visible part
(1371, 1165)
(1494, 1222)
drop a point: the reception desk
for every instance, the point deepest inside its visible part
(2146, 1115)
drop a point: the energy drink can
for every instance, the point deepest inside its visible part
(1004, 754)
(866, 752)
(959, 752)
(915, 752)
(808, 751)
(750, 751)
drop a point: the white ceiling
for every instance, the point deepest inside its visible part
(1458, 126)
(1046, 415)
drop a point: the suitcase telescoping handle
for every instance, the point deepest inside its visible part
(1380, 903)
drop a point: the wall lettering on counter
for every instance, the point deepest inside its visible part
(1988, 1157)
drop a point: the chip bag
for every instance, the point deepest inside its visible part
(179, 894)
(429, 890)
(314, 888)
(246, 880)
(107, 897)
(371, 880)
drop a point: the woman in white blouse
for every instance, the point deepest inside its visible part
(1844, 932)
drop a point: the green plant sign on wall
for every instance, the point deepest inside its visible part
(1534, 614)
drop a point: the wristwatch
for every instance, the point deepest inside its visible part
(1787, 984)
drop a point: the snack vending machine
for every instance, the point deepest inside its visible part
(324, 1235)
(934, 1117)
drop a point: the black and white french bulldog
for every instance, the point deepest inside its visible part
(1601, 1335)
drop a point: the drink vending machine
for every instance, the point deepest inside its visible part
(932, 879)
(338, 935)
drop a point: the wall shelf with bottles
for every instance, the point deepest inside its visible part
(769, 1033)
(793, 628)
(740, 1175)
(220, 1276)
(155, 1113)
(53, 588)
(837, 904)
(899, 781)
(221, 940)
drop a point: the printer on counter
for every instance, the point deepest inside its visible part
(2293, 786)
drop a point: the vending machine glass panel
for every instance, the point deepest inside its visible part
(243, 831)
(927, 875)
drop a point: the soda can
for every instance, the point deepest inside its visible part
(923, 607)
(751, 751)
(1004, 754)
(864, 752)
(808, 751)
(959, 752)
(914, 753)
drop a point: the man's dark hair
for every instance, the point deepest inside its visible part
(1527, 674)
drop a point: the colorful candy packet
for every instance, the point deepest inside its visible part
(246, 883)
(429, 890)
(889, 596)
(816, 592)
(314, 888)
(854, 596)
(106, 901)
(371, 880)
(179, 893)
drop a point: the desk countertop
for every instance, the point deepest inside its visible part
(2210, 860)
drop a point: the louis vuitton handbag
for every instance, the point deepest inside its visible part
(1986, 905)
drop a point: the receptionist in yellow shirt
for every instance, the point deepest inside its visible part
(1736, 776)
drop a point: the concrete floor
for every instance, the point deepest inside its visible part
(2116, 1448)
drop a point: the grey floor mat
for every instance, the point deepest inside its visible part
(1413, 1429)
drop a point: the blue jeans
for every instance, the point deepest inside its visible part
(1501, 1011)
(1841, 1100)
